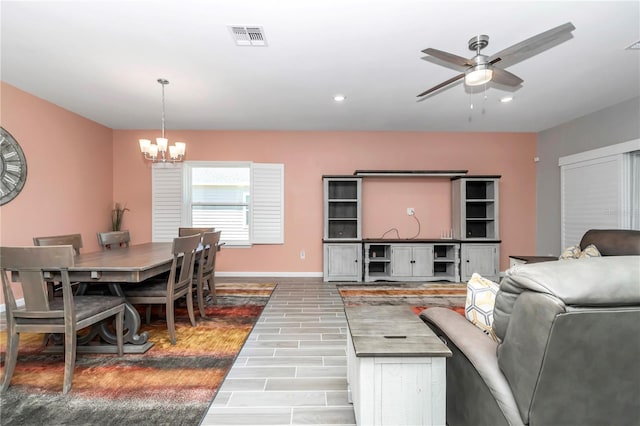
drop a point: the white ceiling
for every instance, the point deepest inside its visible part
(101, 59)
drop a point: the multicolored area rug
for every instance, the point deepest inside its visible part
(168, 385)
(417, 295)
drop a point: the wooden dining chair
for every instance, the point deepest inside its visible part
(65, 315)
(113, 239)
(178, 285)
(75, 240)
(183, 232)
(205, 274)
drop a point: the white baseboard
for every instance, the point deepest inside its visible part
(269, 274)
(19, 302)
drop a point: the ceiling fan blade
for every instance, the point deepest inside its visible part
(441, 85)
(448, 57)
(501, 76)
(533, 43)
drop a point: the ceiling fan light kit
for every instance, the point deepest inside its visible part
(478, 75)
(481, 69)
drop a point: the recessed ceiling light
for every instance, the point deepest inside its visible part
(339, 98)
(506, 99)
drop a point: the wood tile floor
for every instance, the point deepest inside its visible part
(292, 369)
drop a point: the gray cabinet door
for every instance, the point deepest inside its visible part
(411, 261)
(423, 261)
(482, 259)
(343, 262)
(401, 257)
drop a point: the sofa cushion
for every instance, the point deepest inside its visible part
(481, 298)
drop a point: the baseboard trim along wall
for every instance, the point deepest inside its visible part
(269, 274)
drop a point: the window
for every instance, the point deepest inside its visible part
(597, 191)
(220, 198)
(244, 200)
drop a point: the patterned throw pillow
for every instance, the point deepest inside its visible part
(481, 297)
(590, 251)
(572, 252)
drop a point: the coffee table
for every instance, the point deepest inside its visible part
(396, 367)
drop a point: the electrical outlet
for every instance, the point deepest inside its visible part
(302, 254)
(410, 211)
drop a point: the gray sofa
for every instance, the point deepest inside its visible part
(569, 351)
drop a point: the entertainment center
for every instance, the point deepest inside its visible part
(474, 245)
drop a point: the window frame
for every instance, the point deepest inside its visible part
(251, 212)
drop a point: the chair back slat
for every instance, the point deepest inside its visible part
(34, 289)
(114, 239)
(74, 240)
(50, 258)
(210, 241)
(185, 247)
(30, 263)
(184, 232)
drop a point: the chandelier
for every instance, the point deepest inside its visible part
(158, 152)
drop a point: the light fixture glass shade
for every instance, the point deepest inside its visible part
(181, 146)
(478, 75)
(144, 145)
(162, 144)
(173, 152)
(153, 151)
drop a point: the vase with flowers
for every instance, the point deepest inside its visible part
(116, 216)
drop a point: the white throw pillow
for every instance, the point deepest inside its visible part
(481, 298)
(572, 252)
(590, 251)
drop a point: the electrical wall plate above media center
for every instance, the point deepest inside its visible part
(474, 246)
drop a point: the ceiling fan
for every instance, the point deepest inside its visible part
(482, 69)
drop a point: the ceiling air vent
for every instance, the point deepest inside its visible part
(248, 36)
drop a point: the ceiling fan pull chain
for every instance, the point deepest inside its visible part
(485, 99)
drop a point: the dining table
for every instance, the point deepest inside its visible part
(115, 268)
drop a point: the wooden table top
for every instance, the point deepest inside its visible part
(127, 264)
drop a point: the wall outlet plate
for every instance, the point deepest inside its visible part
(411, 211)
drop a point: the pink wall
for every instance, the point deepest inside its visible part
(78, 168)
(309, 155)
(69, 172)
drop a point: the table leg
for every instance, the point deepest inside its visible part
(135, 342)
(132, 323)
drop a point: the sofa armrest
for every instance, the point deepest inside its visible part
(480, 350)
(613, 242)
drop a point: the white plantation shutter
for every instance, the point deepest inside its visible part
(595, 193)
(166, 201)
(267, 203)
